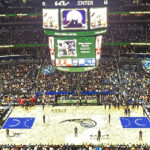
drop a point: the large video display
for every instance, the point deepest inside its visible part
(50, 19)
(75, 51)
(67, 48)
(75, 30)
(73, 3)
(98, 18)
(73, 19)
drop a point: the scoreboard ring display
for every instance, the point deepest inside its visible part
(75, 21)
(75, 30)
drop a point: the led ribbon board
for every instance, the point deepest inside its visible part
(73, 3)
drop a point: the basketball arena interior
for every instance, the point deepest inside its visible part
(75, 75)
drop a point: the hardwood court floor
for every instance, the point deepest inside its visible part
(61, 121)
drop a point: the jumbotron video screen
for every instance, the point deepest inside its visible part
(75, 19)
(72, 51)
(50, 19)
(75, 30)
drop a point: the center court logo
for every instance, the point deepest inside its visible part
(87, 123)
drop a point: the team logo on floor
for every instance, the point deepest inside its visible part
(19, 123)
(135, 122)
(87, 123)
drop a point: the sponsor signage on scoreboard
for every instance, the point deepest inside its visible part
(73, 3)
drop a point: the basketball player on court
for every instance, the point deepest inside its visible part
(76, 131)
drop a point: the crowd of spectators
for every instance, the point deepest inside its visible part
(34, 6)
(16, 51)
(129, 5)
(23, 18)
(134, 83)
(15, 6)
(127, 33)
(117, 78)
(103, 78)
(121, 28)
(59, 81)
(125, 80)
(75, 147)
(22, 35)
(118, 32)
(126, 17)
(20, 78)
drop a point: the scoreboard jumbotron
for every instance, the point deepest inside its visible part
(75, 30)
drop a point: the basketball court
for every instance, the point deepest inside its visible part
(27, 126)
